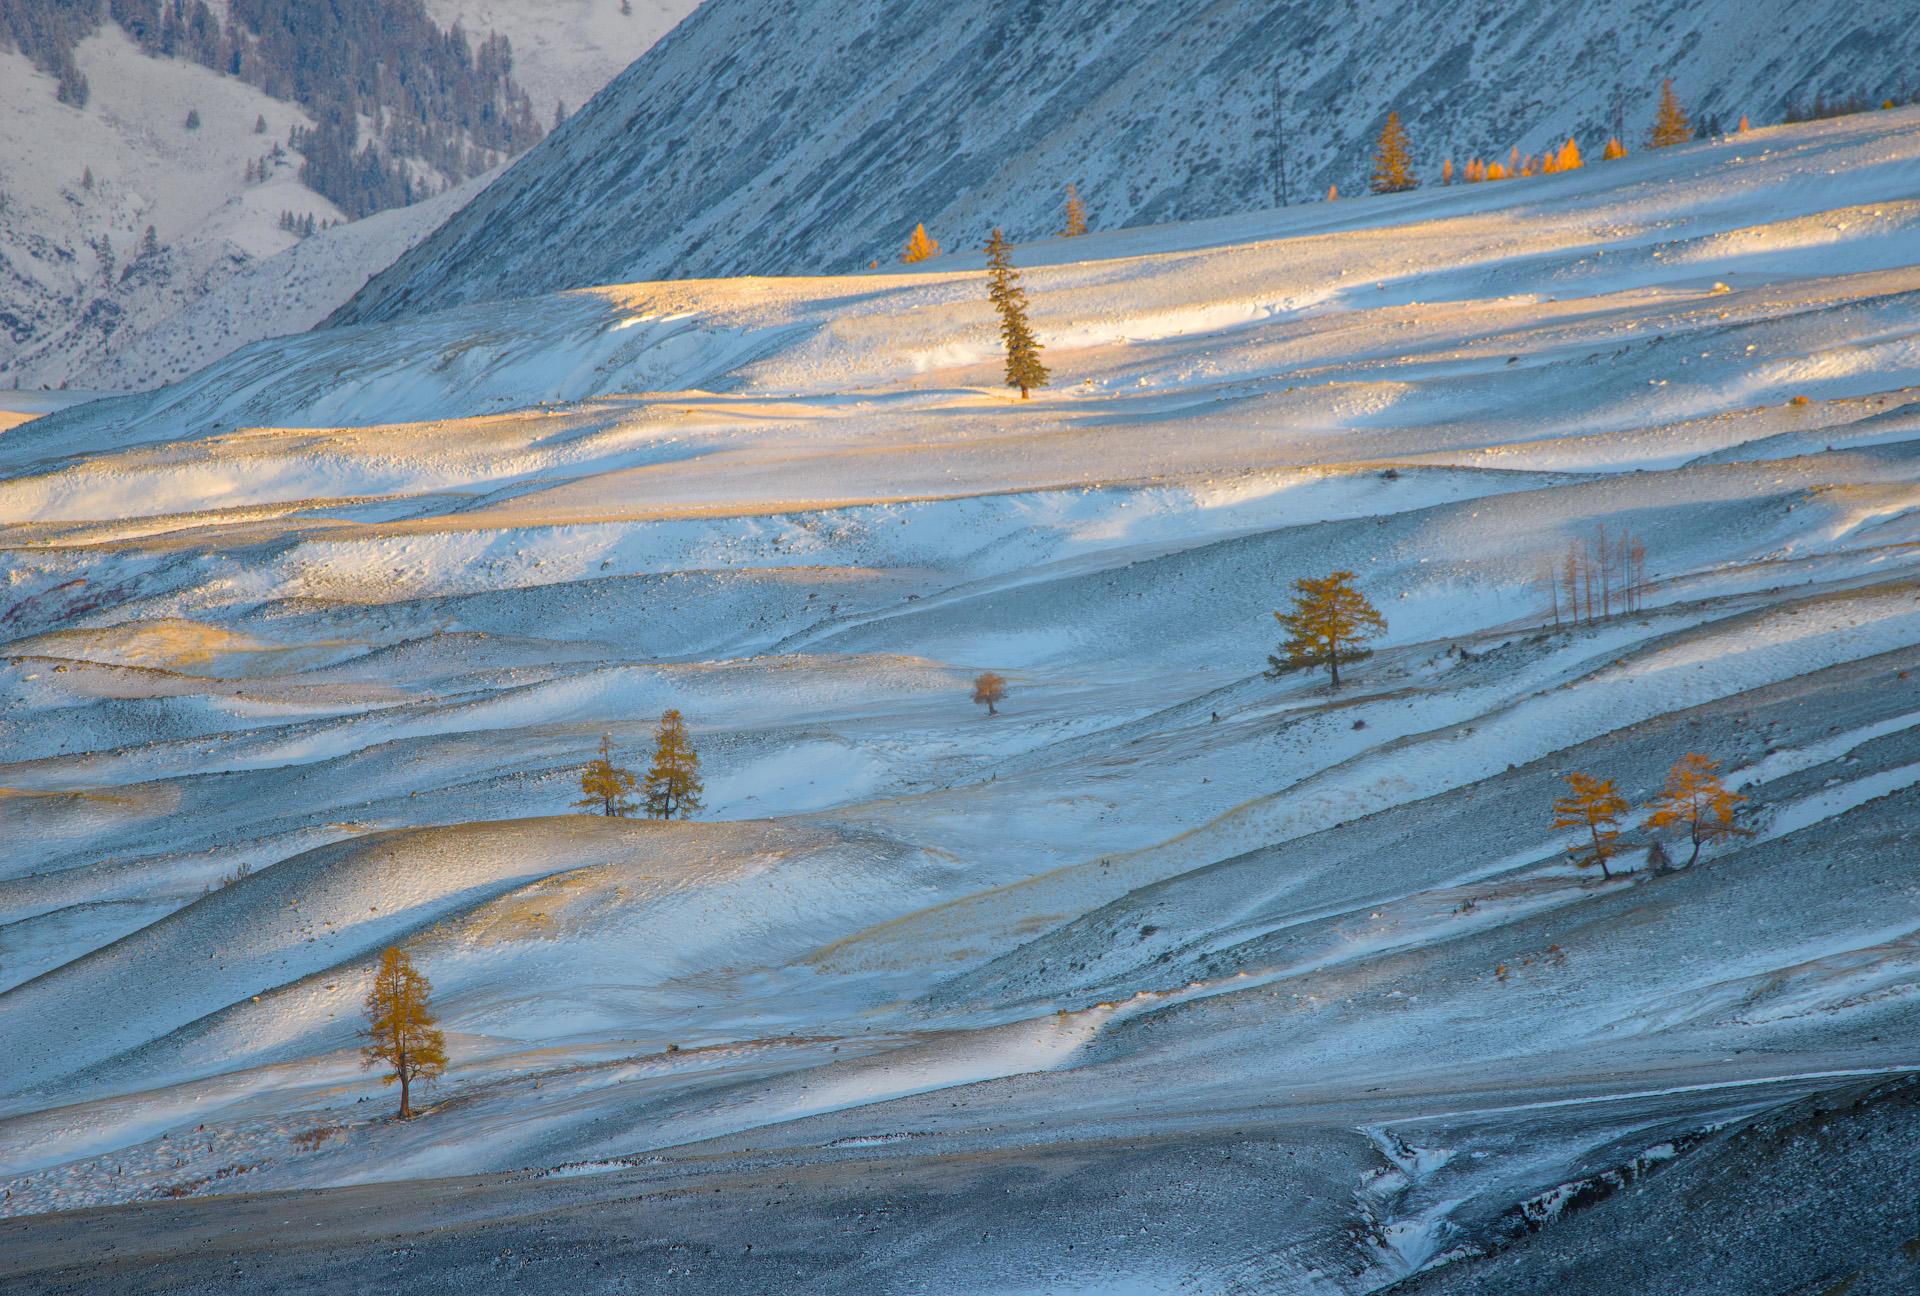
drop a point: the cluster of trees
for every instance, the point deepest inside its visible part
(435, 98)
(1594, 579)
(1820, 107)
(304, 226)
(1393, 168)
(1695, 800)
(671, 790)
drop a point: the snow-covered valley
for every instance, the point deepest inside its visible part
(1169, 977)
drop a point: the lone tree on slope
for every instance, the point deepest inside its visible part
(1696, 800)
(1595, 805)
(1328, 622)
(1670, 126)
(673, 781)
(1024, 369)
(400, 1030)
(1393, 159)
(1076, 218)
(604, 785)
(989, 689)
(920, 247)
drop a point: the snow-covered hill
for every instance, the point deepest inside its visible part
(809, 136)
(85, 301)
(1172, 976)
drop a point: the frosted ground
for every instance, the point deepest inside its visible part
(1169, 978)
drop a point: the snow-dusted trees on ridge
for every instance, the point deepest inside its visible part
(604, 785)
(1024, 369)
(400, 1030)
(1326, 625)
(673, 786)
(988, 689)
(1594, 578)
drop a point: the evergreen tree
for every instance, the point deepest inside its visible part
(1670, 126)
(1595, 805)
(559, 114)
(400, 1030)
(988, 689)
(260, 124)
(604, 785)
(1393, 159)
(149, 244)
(673, 781)
(1024, 369)
(1326, 625)
(1695, 799)
(193, 119)
(1076, 224)
(919, 247)
(86, 179)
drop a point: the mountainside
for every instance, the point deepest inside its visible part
(115, 125)
(808, 136)
(1174, 974)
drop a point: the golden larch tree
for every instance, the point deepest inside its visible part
(1696, 800)
(1333, 193)
(919, 246)
(673, 780)
(1593, 804)
(1076, 214)
(1670, 124)
(1568, 158)
(1328, 622)
(400, 1030)
(988, 689)
(1743, 128)
(1393, 159)
(1024, 369)
(1446, 171)
(1613, 151)
(604, 785)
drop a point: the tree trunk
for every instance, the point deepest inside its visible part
(1333, 666)
(990, 711)
(1023, 393)
(406, 1108)
(1599, 855)
(1696, 844)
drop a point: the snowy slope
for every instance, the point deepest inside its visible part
(736, 147)
(80, 306)
(1171, 974)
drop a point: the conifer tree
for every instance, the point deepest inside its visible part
(1333, 193)
(1568, 159)
(1446, 172)
(1024, 369)
(400, 1030)
(919, 247)
(673, 781)
(1596, 805)
(86, 179)
(1613, 151)
(1695, 799)
(1328, 622)
(1393, 159)
(604, 785)
(1076, 214)
(260, 124)
(1670, 126)
(988, 688)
